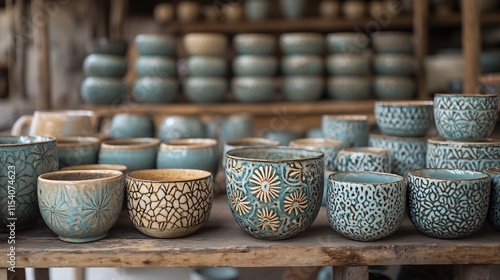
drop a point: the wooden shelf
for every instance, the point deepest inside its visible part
(455, 20)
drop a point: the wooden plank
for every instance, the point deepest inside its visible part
(420, 22)
(42, 51)
(455, 20)
(471, 43)
(471, 272)
(350, 273)
(117, 18)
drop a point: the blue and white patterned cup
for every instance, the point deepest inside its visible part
(404, 118)
(329, 147)
(353, 130)
(494, 206)
(246, 143)
(363, 159)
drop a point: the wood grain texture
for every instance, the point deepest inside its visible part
(471, 43)
(350, 273)
(420, 27)
(471, 272)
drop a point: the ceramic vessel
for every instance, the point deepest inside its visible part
(302, 43)
(366, 206)
(253, 89)
(293, 9)
(329, 147)
(169, 203)
(363, 159)
(105, 65)
(180, 127)
(393, 88)
(134, 153)
(153, 90)
(347, 42)
(211, 13)
(206, 66)
(246, 143)
(463, 201)
(256, 10)
(404, 118)
(103, 91)
(354, 9)
(406, 153)
(232, 12)
(254, 43)
(392, 42)
(348, 65)
(329, 9)
(255, 65)
(302, 88)
(302, 65)
(155, 66)
(117, 167)
(125, 125)
(205, 90)
(494, 204)
(349, 88)
(236, 126)
(324, 200)
(352, 130)
(283, 136)
(199, 153)
(109, 46)
(23, 158)
(188, 11)
(394, 64)
(81, 206)
(57, 123)
(77, 150)
(465, 117)
(205, 44)
(477, 156)
(274, 193)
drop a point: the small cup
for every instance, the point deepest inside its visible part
(125, 126)
(117, 167)
(180, 127)
(349, 87)
(353, 130)
(253, 89)
(155, 45)
(328, 146)
(329, 9)
(205, 44)
(392, 42)
(494, 205)
(235, 127)
(134, 153)
(347, 42)
(363, 159)
(255, 65)
(394, 87)
(256, 10)
(354, 9)
(348, 65)
(205, 90)
(206, 66)
(303, 88)
(404, 118)
(155, 66)
(164, 12)
(103, 91)
(302, 65)
(154, 90)
(105, 65)
(77, 150)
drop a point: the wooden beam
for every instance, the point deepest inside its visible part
(471, 272)
(350, 272)
(420, 27)
(471, 43)
(42, 50)
(117, 18)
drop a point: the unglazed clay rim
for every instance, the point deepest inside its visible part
(206, 175)
(284, 148)
(442, 141)
(97, 166)
(465, 95)
(264, 141)
(189, 144)
(414, 171)
(493, 170)
(387, 175)
(130, 143)
(399, 139)
(113, 174)
(315, 142)
(365, 150)
(47, 140)
(405, 103)
(154, 36)
(362, 118)
(78, 142)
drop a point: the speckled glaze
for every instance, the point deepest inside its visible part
(302, 88)
(274, 193)
(329, 147)
(394, 64)
(22, 160)
(205, 90)
(352, 130)
(206, 66)
(134, 153)
(302, 65)
(404, 118)
(253, 89)
(465, 117)
(180, 127)
(394, 88)
(169, 203)
(365, 206)
(255, 65)
(494, 205)
(349, 88)
(155, 45)
(105, 65)
(254, 43)
(155, 66)
(392, 42)
(347, 42)
(126, 125)
(153, 90)
(81, 206)
(302, 43)
(283, 136)
(293, 9)
(406, 153)
(363, 159)
(77, 150)
(348, 65)
(463, 198)
(103, 91)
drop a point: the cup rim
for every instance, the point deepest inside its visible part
(465, 95)
(67, 113)
(401, 103)
(47, 177)
(264, 141)
(493, 170)
(347, 117)
(130, 143)
(415, 173)
(43, 140)
(397, 138)
(76, 141)
(365, 150)
(96, 166)
(315, 142)
(319, 154)
(189, 144)
(202, 175)
(443, 141)
(385, 174)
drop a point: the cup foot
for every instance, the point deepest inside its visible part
(83, 239)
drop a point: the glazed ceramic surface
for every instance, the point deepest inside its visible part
(348, 65)
(169, 203)
(353, 130)
(463, 117)
(392, 42)
(22, 160)
(104, 65)
(283, 136)
(131, 126)
(366, 206)
(205, 90)
(63, 123)
(155, 66)
(77, 150)
(117, 167)
(463, 198)
(347, 42)
(274, 193)
(354, 9)
(135, 153)
(329, 147)
(494, 205)
(257, 9)
(394, 64)
(394, 88)
(254, 43)
(329, 9)
(180, 127)
(315, 132)
(302, 43)
(206, 66)
(155, 90)
(81, 206)
(200, 154)
(155, 45)
(324, 201)
(255, 65)
(363, 159)
(404, 118)
(235, 127)
(103, 91)
(253, 89)
(293, 9)
(246, 143)
(349, 88)
(302, 65)
(188, 11)
(302, 88)
(205, 44)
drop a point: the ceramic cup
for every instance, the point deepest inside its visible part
(366, 206)
(302, 88)
(169, 203)
(232, 12)
(77, 150)
(257, 9)
(392, 42)
(329, 147)
(154, 90)
(274, 193)
(155, 66)
(23, 159)
(81, 206)
(105, 65)
(347, 42)
(65, 123)
(353, 130)
(463, 198)
(117, 167)
(253, 89)
(394, 64)
(283, 136)
(134, 153)
(199, 153)
(255, 65)
(205, 89)
(394, 87)
(349, 87)
(302, 65)
(348, 65)
(164, 13)
(494, 205)
(206, 66)
(180, 127)
(103, 91)
(363, 159)
(155, 45)
(302, 43)
(246, 143)
(188, 11)
(205, 44)
(126, 125)
(404, 118)
(254, 43)
(293, 9)
(236, 126)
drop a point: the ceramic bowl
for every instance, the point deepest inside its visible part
(103, 91)
(283, 136)
(236, 126)
(155, 66)
(314, 132)
(188, 11)
(324, 200)
(109, 46)
(328, 9)
(394, 64)
(465, 117)
(365, 206)
(23, 159)
(215, 273)
(352, 130)
(105, 65)
(205, 44)
(463, 201)
(494, 205)
(394, 88)
(254, 43)
(126, 125)
(192, 153)
(256, 10)
(293, 9)
(354, 9)
(302, 88)
(155, 45)
(206, 66)
(255, 65)
(302, 43)
(349, 88)
(253, 89)
(406, 153)
(169, 203)
(274, 193)
(245, 143)
(329, 147)
(404, 118)
(302, 65)
(347, 42)
(164, 13)
(117, 167)
(81, 206)
(180, 127)
(134, 153)
(348, 65)
(392, 42)
(153, 90)
(205, 90)
(77, 150)
(363, 159)
(477, 156)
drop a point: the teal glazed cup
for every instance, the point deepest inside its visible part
(448, 203)
(103, 91)
(124, 126)
(235, 127)
(23, 159)
(365, 206)
(353, 130)
(81, 206)
(282, 136)
(274, 193)
(254, 43)
(155, 45)
(153, 90)
(104, 65)
(181, 127)
(77, 150)
(363, 159)
(134, 153)
(202, 154)
(494, 206)
(404, 118)
(155, 66)
(328, 146)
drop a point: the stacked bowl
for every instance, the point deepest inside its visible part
(156, 69)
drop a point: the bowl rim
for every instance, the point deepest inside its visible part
(465, 95)
(347, 117)
(412, 173)
(189, 144)
(315, 142)
(34, 140)
(96, 166)
(398, 138)
(385, 174)
(77, 141)
(493, 170)
(113, 174)
(405, 103)
(202, 175)
(444, 142)
(130, 143)
(253, 36)
(365, 150)
(319, 154)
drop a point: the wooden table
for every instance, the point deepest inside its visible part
(222, 243)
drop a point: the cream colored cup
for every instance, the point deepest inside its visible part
(64, 123)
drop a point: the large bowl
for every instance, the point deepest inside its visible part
(103, 91)
(394, 64)
(302, 43)
(105, 65)
(347, 42)
(394, 87)
(348, 65)
(205, 90)
(274, 192)
(253, 89)
(154, 90)
(494, 206)
(392, 42)
(302, 88)
(302, 65)
(404, 118)
(206, 66)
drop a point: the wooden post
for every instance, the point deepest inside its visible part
(117, 18)
(350, 272)
(20, 42)
(471, 43)
(42, 50)
(19, 274)
(420, 27)
(471, 272)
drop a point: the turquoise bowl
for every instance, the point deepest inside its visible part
(77, 150)
(181, 127)
(349, 88)
(134, 153)
(406, 153)
(302, 65)
(352, 130)
(303, 88)
(465, 117)
(404, 118)
(206, 66)
(293, 9)
(255, 65)
(494, 206)
(152, 90)
(348, 65)
(256, 10)
(324, 200)
(103, 91)
(274, 193)
(283, 136)
(193, 153)
(365, 206)
(253, 89)
(216, 273)
(329, 147)
(23, 158)
(205, 90)
(236, 126)
(155, 45)
(394, 88)
(302, 43)
(81, 206)
(394, 64)
(104, 65)
(254, 43)
(155, 66)
(463, 198)
(363, 159)
(126, 125)
(347, 42)
(392, 42)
